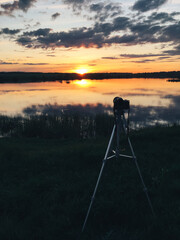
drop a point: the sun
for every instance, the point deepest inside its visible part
(81, 71)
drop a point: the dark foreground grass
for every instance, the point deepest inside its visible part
(46, 186)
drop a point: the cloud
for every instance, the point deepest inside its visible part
(161, 17)
(10, 7)
(30, 64)
(160, 56)
(144, 61)
(55, 15)
(9, 31)
(139, 55)
(40, 32)
(97, 10)
(34, 64)
(82, 37)
(96, 36)
(172, 32)
(23, 5)
(51, 55)
(110, 58)
(2, 92)
(146, 5)
(36, 24)
(119, 30)
(103, 11)
(76, 3)
(173, 52)
(7, 63)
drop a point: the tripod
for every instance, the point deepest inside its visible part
(121, 125)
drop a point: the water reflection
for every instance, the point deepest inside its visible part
(140, 115)
(83, 82)
(152, 100)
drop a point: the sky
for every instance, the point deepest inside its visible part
(90, 35)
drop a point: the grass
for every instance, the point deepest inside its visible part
(63, 126)
(46, 187)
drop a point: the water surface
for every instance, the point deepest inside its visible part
(152, 100)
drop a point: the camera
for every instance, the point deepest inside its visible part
(120, 104)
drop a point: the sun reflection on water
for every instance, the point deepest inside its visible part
(82, 83)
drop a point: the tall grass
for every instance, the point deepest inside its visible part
(52, 126)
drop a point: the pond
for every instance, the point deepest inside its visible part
(152, 101)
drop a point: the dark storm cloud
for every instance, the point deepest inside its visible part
(23, 5)
(146, 5)
(9, 31)
(55, 15)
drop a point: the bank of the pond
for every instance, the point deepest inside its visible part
(46, 185)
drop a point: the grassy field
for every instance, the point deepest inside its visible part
(46, 187)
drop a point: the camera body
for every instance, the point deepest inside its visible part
(120, 104)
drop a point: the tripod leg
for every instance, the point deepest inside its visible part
(139, 172)
(118, 129)
(140, 175)
(101, 171)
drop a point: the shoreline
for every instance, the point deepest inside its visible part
(26, 77)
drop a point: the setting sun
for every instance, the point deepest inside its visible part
(81, 71)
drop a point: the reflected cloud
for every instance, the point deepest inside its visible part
(111, 93)
(17, 91)
(130, 94)
(140, 116)
(56, 109)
